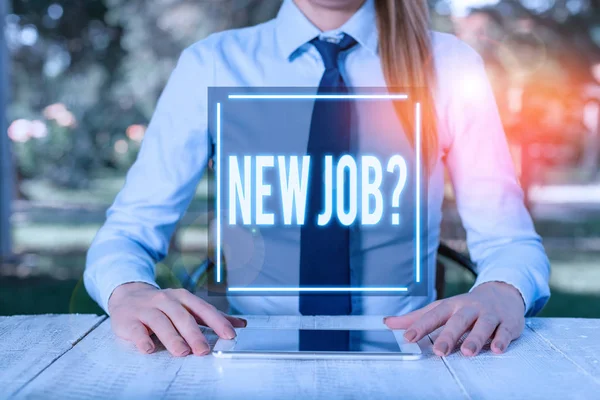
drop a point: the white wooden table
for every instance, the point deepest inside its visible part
(77, 356)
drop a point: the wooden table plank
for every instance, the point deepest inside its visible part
(103, 366)
(29, 344)
(577, 339)
(530, 369)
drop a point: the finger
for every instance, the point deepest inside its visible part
(429, 322)
(457, 325)
(186, 325)
(135, 332)
(236, 322)
(404, 321)
(504, 335)
(207, 313)
(166, 332)
(482, 330)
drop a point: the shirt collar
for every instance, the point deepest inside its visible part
(293, 29)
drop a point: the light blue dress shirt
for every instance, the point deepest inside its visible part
(472, 146)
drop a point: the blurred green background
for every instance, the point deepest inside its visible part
(85, 77)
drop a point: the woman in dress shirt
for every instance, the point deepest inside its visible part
(461, 131)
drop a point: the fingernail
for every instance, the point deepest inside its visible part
(229, 332)
(148, 347)
(500, 347)
(385, 320)
(471, 347)
(410, 335)
(443, 348)
(202, 349)
(183, 349)
(244, 322)
(205, 349)
(184, 352)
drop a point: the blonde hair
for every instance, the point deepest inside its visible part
(407, 58)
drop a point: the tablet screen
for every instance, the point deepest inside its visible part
(288, 340)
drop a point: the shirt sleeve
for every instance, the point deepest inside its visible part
(159, 186)
(500, 234)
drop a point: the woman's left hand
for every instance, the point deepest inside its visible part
(493, 310)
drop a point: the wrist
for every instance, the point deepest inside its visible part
(123, 290)
(505, 289)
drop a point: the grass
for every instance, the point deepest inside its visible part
(54, 284)
(41, 293)
(44, 295)
(54, 239)
(570, 298)
(101, 191)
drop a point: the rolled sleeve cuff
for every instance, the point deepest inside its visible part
(532, 297)
(124, 263)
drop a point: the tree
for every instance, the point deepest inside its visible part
(154, 34)
(106, 62)
(62, 53)
(5, 159)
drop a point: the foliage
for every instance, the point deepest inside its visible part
(107, 61)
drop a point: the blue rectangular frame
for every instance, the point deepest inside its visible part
(418, 133)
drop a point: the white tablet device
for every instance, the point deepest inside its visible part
(317, 344)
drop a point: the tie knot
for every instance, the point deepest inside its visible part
(330, 51)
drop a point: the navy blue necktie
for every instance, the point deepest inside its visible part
(325, 250)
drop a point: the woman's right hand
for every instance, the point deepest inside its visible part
(137, 310)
